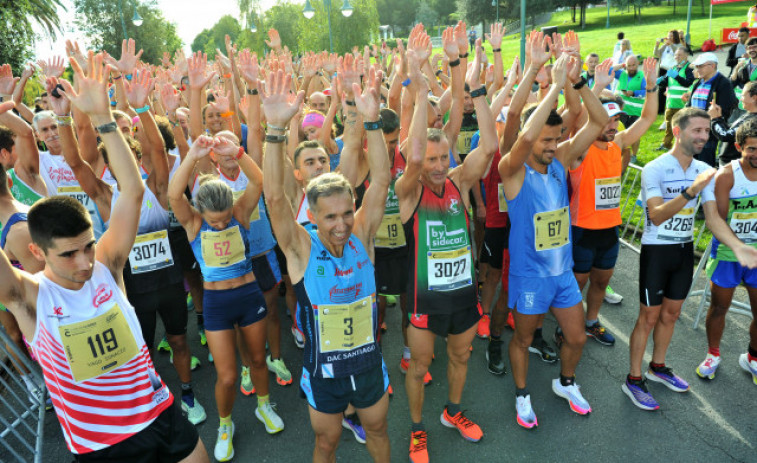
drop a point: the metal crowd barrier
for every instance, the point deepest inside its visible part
(633, 226)
(22, 415)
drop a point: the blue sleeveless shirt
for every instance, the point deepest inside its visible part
(223, 254)
(337, 311)
(540, 224)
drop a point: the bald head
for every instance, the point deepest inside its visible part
(632, 65)
(320, 102)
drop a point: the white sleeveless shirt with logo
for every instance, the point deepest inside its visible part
(95, 362)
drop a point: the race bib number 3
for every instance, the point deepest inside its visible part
(151, 251)
(551, 229)
(448, 270)
(501, 198)
(390, 233)
(606, 193)
(78, 194)
(100, 345)
(346, 326)
(744, 226)
(679, 228)
(222, 248)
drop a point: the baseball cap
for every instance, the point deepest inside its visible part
(613, 108)
(705, 58)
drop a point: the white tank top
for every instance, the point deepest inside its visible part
(152, 216)
(95, 362)
(107, 176)
(302, 211)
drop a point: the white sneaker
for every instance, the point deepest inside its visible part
(748, 366)
(664, 125)
(573, 395)
(299, 340)
(706, 369)
(195, 413)
(525, 413)
(224, 450)
(611, 297)
(268, 416)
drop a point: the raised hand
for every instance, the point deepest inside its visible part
(53, 67)
(129, 58)
(139, 89)
(496, 34)
(474, 73)
(715, 111)
(330, 63)
(461, 37)
(180, 61)
(650, 70)
(221, 101)
(244, 104)
(573, 69)
(350, 69)
(602, 76)
(7, 81)
(197, 65)
(449, 44)
(560, 71)
(419, 42)
(61, 105)
(249, 68)
(513, 75)
(170, 98)
(570, 42)
(224, 147)
(541, 48)
(28, 71)
(557, 45)
(165, 61)
(223, 61)
(201, 147)
(277, 106)
(367, 103)
(92, 97)
(73, 51)
(274, 41)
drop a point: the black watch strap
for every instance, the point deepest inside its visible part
(481, 91)
(686, 194)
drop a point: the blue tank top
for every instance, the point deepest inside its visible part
(337, 311)
(540, 224)
(223, 254)
(260, 234)
(12, 220)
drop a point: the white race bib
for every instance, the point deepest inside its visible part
(606, 193)
(679, 228)
(744, 226)
(448, 270)
(151, 251)
(78, 194)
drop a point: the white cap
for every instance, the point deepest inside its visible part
(705, 58)
(613, 108)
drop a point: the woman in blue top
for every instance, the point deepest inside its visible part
(217, 229)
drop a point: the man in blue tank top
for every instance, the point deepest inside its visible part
(537, 198)
(332, 272)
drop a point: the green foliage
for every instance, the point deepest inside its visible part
(427, 16)
(16, 35)
(400, 14)
(357, 30)
(285, 17)
(101, 24)
(210, 39)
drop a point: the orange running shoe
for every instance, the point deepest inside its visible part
(468, 429)
(390, 390)
(510, 320)
(483, 326)
(418, 450)
(405, 364)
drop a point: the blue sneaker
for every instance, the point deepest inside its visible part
(600, 334)
(352, 422)
(668, 378)
(639, 395)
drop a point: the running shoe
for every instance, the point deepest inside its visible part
(390, 390)
(559, 338)
(748, 366)
(573, 395)
(611, 297)
(664, 125)
(639, 395)
(418, 450)
(668, 378)
(283, 376)
(391, 299)
(483, 326)
(163, 345)
(194, 362)
(600, 334)
(210, 357)
(706, 369)
(384, 327)
(524, 412)
(195, 412)
(224, 450)
(246, 387)
(299, 339)
(190, 302)
(405, 364)
(494, 360)
(268, 416)
(352, 422)
(541, 348)
(467, 428)
(510, 320)
(203, 338)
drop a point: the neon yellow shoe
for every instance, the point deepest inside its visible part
(224, 450)
(283, 376)
(163, 345)
(267, 415)
(246, 387)
(203, 338)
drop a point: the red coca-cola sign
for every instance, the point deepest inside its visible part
(731, 34)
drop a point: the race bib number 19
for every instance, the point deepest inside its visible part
(99, 345)
(390, 233)
(346, 326)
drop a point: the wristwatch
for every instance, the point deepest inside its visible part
(686, 195)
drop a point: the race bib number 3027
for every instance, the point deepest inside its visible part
(606, 193)
(448, 270)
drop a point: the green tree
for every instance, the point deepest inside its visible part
(427, 16)
(400, 14)
(444, 10)
(215, 37)
(285, 17)
(101, 24)
(357, 30)
(16, 33)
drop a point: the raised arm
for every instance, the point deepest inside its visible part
(249, 71)
(116, 243)
(495, 40)
(457, 86)
(171, 99)
(198, 79)
(634, 133)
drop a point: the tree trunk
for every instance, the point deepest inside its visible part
(674, 7)
(574, 13)
(702, 7)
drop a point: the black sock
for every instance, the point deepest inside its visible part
(752, 352)
(633, 379)
(417, 427)
(521, 392)
(200, 320)
(493, 337)
(537, 333)
(567, 380)
(453, 409)
(656, 366)
(186, 392)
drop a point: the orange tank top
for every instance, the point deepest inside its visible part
(595, 185)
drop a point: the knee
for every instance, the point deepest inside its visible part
(178, 343)
(419, 366)
(575, 340)
(718, 310)
(257, 361)
(600, 282)
(647, 322)
(227, 379)
(326, 444)
(460, 357)
(670, 316)
(377, 430)
(521, 340)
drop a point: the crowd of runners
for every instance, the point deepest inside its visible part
(469, 197)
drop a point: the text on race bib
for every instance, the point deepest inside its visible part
(255, 215)
(78, 194)
(679, 228)
(390, 233)
(464, 141)
(449, 270)
(551, 229)
(744, 226)
(222, 248)
(151, 251)
(346, 326)
(606, 193)
(501, 198)
(97, 346)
